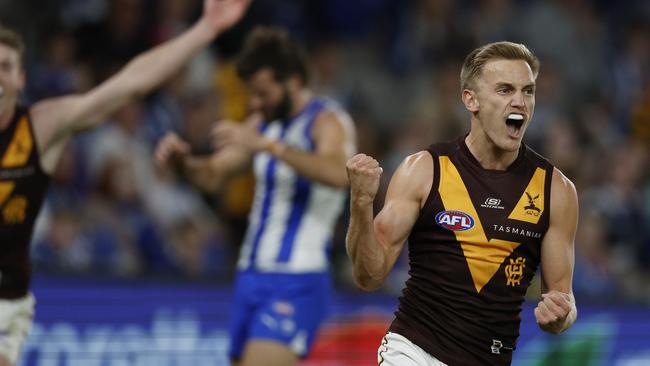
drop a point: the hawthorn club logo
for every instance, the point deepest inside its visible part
(531, 209)
(515, 271)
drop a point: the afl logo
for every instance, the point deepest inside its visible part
(455, 220)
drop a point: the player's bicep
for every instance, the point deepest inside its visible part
(50, 128)
(334, 135)
(78, 112)
(558, 244)
(408, 188)
(59, 118)
(393, 225)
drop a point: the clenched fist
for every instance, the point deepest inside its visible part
(364, 173)
(551, 313)
(170, 149)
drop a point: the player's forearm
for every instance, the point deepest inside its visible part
(368, 258)
(147, 71)
(199, 172)
(138, 78)
(327, 170)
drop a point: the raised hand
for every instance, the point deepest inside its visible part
(170, 149)
(364, 173)
(222, 14)
(552, 312)
(228, 133)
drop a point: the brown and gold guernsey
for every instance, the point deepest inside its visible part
(473, 252)
(22, 188)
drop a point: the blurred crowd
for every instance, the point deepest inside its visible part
(395, 66)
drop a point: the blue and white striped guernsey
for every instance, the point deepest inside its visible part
(292, 218)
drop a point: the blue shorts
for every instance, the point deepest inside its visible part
(286, 308)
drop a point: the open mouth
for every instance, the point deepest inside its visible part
(514, 122)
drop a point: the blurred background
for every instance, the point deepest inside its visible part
(133, 266)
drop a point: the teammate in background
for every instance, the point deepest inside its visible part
(298, 145)
(33, 138)
(480, 214)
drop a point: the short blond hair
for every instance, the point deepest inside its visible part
(476, 60)
(12, 39)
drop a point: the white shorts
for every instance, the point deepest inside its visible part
(397, 350)
(15, 322)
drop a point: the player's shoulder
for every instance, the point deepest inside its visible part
(563, 186)
(416, 167)
(414, 176)
(50, 109)
(329, 108)
(331, 116)
(331, 112)
(418, 160)
(564, 206)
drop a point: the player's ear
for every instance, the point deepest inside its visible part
(470, 101)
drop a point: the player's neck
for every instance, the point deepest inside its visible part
(488, 155)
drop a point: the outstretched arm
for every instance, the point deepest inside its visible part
(557, 310)
(56, 120)
(374, 245)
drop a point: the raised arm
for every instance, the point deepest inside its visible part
(557, 309)
(374, 245)
(333, 135)
(56, 120)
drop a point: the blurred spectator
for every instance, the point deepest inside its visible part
(57, 74)
(199, 251)
(594, 270)
(116, 39)
(64, 248)
(629, 72)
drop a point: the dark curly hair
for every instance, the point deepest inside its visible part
(273, 48)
